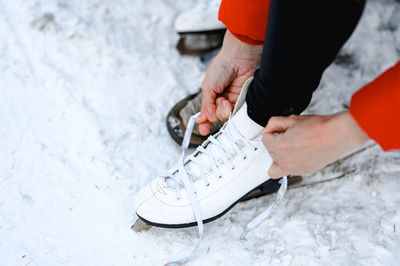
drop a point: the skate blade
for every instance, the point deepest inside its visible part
(259, 193)
(199, 44)
(140, 226)
(203, 32)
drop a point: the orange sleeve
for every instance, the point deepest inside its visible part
(246, 20)
(376, 108)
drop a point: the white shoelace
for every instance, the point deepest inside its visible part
(182, 179)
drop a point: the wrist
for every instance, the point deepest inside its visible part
(233, 47)
(346, 131)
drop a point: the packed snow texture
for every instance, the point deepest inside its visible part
(85, 87)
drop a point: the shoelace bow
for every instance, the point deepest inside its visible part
(182, 179)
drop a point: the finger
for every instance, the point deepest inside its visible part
(224, 109)
(268, 140)
(202, 118)
(209, 97)
(219, 110)
(211, 113)
(275, 171)
(231, 96)
(278, 124)
(205, 128)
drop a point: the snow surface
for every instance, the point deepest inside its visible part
(84, 90)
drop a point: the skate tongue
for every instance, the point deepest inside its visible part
(245, 125)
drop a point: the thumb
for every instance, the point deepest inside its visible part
(275, 171)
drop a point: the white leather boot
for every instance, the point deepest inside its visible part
(206, 184)
(224, 169)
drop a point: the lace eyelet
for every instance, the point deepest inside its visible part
(233, 168)
(208, 185)
(245, 157)
(255, 148)
(220, 177)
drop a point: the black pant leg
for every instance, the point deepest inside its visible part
(302, 40)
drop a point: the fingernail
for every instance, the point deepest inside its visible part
(219, 100)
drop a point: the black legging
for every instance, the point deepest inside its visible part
(302, 39)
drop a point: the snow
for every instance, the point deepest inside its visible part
(84, 90)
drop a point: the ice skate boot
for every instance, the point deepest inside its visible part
(208, 183)
(200, 29)
(221, 172)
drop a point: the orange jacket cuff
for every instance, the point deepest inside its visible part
(376, 108)
(247, 39)
(246, 20)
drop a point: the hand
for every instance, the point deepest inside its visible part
(304, 144)
(235, 63)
